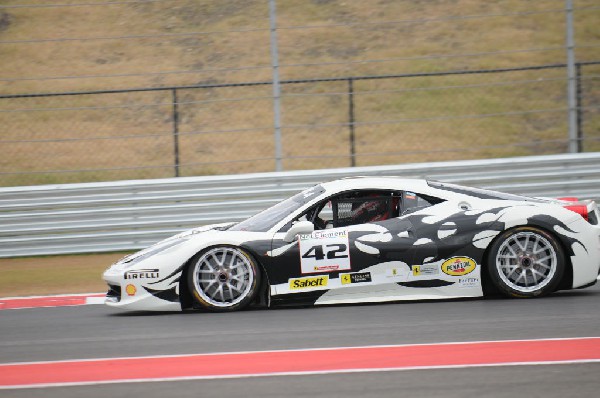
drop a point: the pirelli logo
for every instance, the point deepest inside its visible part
(142, 274)
(308, 283)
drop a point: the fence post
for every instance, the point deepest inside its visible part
(351, 121)
(276, 85)
(571, 82)
(579, 104)
(175, 132)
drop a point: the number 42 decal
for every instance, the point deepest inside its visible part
(328, 253)
(333, 251)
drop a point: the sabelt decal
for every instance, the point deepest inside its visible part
(359, 277)
(308, 283)
(142, 274)
(419, 270)
(458, 266)
(324, 251)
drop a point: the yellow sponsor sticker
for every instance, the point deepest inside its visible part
(308, 283)
(131, 290)
(458, 266)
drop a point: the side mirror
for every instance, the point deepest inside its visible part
(301, 227)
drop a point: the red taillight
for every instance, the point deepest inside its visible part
(579, 209)
(576, 207)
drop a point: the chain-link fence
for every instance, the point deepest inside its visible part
(588, 106)
(361, 84)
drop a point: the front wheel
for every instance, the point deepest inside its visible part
(223, 278)
(526, 262)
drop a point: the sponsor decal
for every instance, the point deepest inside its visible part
(311, 193)
(468, 282)
(325, 235)
(142, 274)
(392, 273)
(326, 268)
(308, 283)
(324, 251)
(359, 277)
(458, 266)
(418, 270)
(131, 290)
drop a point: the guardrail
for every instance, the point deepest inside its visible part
(127, 215)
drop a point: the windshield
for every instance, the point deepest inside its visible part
(266, 219)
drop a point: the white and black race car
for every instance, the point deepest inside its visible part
(369, 240)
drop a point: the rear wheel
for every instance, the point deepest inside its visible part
(223, 278)
(526, 262)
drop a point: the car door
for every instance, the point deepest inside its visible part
(357, 241)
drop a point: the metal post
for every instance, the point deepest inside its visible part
(176, 132)
(276, 85)
(351, 121)
(579, 104)
(571, 81)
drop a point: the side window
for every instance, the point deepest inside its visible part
(320, 215)
(364, 207)
(360, 207)
(412, 202)
(324, 218)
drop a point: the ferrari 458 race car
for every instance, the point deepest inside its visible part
(369, 240)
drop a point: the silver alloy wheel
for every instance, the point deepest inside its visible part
(223, 276)
(526, 261)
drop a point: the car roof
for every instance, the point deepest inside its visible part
(447, 191)
(394, 183)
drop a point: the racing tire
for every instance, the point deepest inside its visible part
(223, 278)
(526, 262)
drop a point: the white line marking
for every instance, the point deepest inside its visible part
(94, 300)
(52, 296)
(209, 354)
(303, 373)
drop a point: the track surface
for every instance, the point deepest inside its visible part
(47, 334)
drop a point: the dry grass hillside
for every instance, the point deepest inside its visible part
(230, 130)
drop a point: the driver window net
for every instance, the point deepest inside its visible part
(360, 211)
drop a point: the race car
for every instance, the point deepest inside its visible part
(365, 240)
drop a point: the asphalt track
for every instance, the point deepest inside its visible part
(94, 331)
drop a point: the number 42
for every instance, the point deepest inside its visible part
(333, 251)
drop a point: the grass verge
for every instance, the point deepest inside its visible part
(33, 276)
